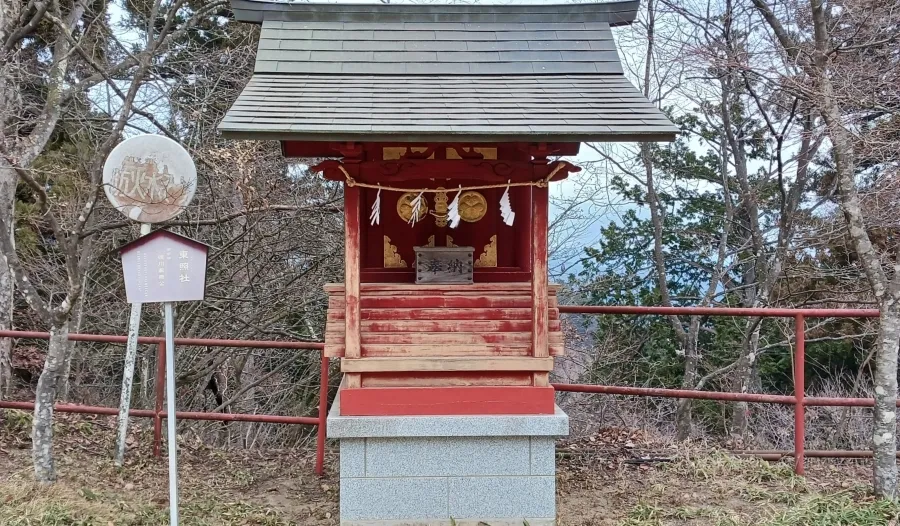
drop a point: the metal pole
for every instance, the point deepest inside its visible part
(323, 417)
(160, 392)
(134, 323)
(799, 394)
(170, 416)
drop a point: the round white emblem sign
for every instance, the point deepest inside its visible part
(149, 178)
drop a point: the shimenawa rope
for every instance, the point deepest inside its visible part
(541, 184)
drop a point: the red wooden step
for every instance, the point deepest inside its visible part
(336, 335)
(458, 379)
(438, 302)
(452, 326)
(442, 314)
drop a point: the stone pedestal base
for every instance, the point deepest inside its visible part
(427, 470)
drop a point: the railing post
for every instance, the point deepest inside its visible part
(158, 387)
(323, 416)
(799, 394)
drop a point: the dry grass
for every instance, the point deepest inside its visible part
(598, 485)
(216, 487)
(720, 490)
(30, 505)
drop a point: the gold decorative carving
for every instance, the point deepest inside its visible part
(393, 153)
(440, 208)
(391, 258)
(472, 206)
(488, 258)
(450, 242)
(404, 206)
(430, 242)
(481, 153)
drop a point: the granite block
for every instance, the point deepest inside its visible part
(510, 497)
(353, 457)
(543, 456)
(448, 456)
(339, 426)
(393, 499)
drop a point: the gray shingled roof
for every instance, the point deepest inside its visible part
(440, 72)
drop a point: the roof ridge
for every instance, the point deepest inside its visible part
(257, 11)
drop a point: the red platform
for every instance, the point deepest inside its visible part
(443, 350)
(421, 401)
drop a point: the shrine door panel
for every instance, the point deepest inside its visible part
(389, 245)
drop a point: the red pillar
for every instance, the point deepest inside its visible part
(351, 277)
(539, 286)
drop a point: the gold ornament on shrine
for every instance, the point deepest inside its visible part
(488, 258)
(405, 209)
(472, 206)
(391, 258)
(440, 208)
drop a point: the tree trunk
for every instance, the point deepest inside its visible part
(884, 441)
(44, 399)
(744, 380)
(683, 419)
(8, 180)
(144, 379)
(70, 352)
(684, 412)
(246, 374)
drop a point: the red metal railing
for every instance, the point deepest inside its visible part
(157, 414)
(800, 401)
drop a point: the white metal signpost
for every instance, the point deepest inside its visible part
(150, 179)
(163, 267)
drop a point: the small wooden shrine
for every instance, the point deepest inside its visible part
(447, 124)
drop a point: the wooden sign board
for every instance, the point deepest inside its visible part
(444, 264)
(164, 267)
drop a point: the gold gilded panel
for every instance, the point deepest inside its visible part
(489, 154)
(393, 153)
(488, 258)
(391, 258)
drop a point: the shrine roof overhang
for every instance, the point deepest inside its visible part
(468, 73)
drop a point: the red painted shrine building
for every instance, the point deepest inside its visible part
(441, 122)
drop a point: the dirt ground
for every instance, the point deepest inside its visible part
(615, 477)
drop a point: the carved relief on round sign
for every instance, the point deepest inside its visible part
(472, 206)
(149, 178)
(405, 209)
